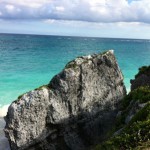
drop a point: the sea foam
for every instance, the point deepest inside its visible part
(3, 110)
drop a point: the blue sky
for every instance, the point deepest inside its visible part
(129, 1)
(100, 18)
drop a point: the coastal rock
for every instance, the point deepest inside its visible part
(142, 78)
(75, 110)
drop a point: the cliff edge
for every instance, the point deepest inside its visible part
(75, 110)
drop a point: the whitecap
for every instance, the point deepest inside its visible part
(3, 110)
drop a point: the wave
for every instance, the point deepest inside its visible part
(3, 110)
(128, 90)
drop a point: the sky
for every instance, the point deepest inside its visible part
(96, 18)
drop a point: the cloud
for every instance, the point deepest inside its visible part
(104, 11)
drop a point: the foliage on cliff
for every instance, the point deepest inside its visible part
(132, 128)
(136, 133)
(143, 70)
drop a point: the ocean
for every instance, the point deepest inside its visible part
(29, 61)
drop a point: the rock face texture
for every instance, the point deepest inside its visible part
(142, 78)
(73, 111)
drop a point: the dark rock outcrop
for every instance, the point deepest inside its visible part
(73, 111)
(142, 78)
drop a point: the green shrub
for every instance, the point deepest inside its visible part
(143, 70)
(136, 134)
(131, 137)
(142, 115)
(141, 94)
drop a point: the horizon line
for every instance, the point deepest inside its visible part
(36, 34)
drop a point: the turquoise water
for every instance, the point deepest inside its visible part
(28, 61)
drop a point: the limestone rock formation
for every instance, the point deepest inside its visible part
(73, 111)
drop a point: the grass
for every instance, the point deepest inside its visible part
(39, 88)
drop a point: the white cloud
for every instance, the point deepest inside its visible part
(9, 7)
(28, 3)
(49, 21)
(60, 8)
(105, 11)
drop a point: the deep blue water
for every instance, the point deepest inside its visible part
(28, 61)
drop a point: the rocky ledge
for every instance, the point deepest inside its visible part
(75, 110)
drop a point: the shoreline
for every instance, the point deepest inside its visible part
(4, 144)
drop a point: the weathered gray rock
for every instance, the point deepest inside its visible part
(73, 111)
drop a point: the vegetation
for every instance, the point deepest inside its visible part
(43, 86)
(131, 137)
(143, 70)
(141, 94)
(39, 88)
(142, 115)
(135, 134)
(71, 65)
(20, 96)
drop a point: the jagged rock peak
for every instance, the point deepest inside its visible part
(84, 59)
(76, 109)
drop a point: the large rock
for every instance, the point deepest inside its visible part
(73, 111)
